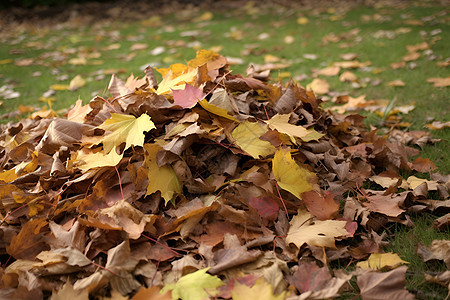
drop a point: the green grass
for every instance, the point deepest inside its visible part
(431, 103)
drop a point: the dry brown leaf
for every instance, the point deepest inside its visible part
(387, 285)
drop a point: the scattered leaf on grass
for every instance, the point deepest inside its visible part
(384, 261)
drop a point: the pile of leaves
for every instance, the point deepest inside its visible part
(208, 184)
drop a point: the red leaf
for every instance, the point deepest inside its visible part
(188, 97)
(266, 207)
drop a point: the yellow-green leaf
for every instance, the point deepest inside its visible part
(290, 176)
(161, 179)
(377, 261)
(261, 290)
(305, 229)
(195, 286)
(247, 136)
(282, 125)
(125, 129)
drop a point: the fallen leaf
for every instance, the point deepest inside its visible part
(86, 159)
(439, 81)
(411, 56)
(384, 285)
(260, 290)
(267, 207)
(319, 86)
(381, 261)
(76, 83)
(302, 20)
(248, 137)
(195, 286)
(217, 110)
(304, 229)
(397, 82)
(125, 129)
(438, 125)
(172, 82)
(290, 176)
(348, 76)
(67, 292)
(188, 97)
(439, 249)
(323, 207)
(329, 71)
(152, 293)
(161, 178)
(282, 125)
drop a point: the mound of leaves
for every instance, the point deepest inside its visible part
(208, 184)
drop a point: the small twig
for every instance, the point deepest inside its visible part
(120, 183)
(161, 244)
(282, 201)
(10, 213)
(103, 268)
(156, 271)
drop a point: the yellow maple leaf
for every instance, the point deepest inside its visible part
(290, 176)
(172, 82)
(282, 125)
(125, 129)
(86, 160)
(261, 290)
(305, 229)
(213, 59)
(377, 261)
(247, 136)
(161, 179)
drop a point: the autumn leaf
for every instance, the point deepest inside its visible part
(384, 261)
(125, 129)
(290, 176)
(304, 229)
(247, 136)
(86, 159)
(162, 178)
(195, 286)
(216, 110)
(188, 97)
(282, 125)
(172, 82)
(76, 83)
(439, 81)
(261, 290)
(321, 206)
(319, 86)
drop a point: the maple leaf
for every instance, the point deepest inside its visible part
(172, 82)
(195, 286)
(162, 178)
(260, 290)
(125, 129)
(188, 97)
(282, 125)
(384, 261)
(290, 176)
(305, 230)
(247, 136)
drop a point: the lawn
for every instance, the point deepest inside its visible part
(394, 53)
